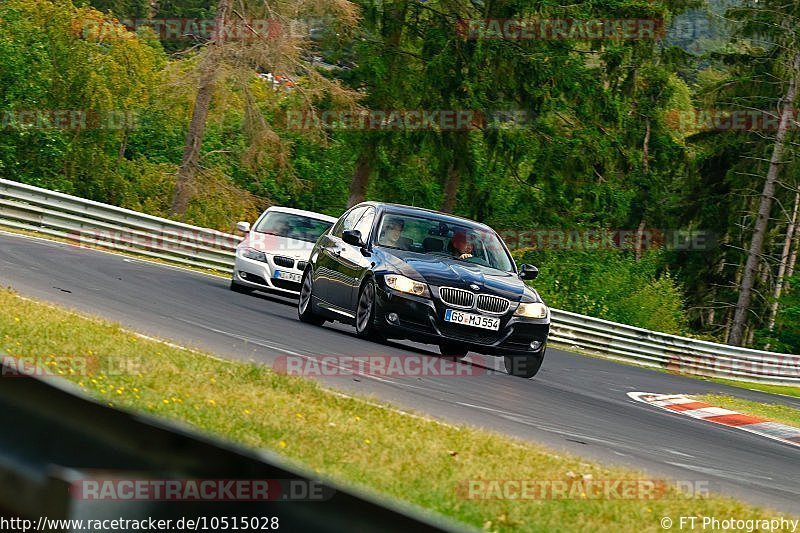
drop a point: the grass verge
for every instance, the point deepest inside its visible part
(785, 390)
(411, 458)
(776, 413)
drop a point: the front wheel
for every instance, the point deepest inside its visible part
(305, 310)
(241, 289)
(452, 350)
(365, 313)
(523, 366)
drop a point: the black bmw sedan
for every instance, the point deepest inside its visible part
(395, 271)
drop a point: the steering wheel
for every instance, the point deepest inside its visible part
(476, 260)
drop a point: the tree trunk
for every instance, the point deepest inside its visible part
(793, 255)
(451, 188)
(712, 312)
(737, 280)
(638, 245)
(393, 25)
(123, 144)
(360, 181)
(646, 147)
(765, 206)
(728, 320)
(787, 246)
(456, 145)
(184, 187)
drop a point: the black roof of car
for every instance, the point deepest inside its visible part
(401, 209)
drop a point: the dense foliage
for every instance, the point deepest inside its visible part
(612, 286)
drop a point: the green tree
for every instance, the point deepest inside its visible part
(55, 58)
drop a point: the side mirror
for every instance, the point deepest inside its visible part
(527, 272)
(352, 236)
(244, 227)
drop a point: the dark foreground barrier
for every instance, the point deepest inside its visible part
(66, 457)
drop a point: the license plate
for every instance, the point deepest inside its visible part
(470, 319)
(288, 276)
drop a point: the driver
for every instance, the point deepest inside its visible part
(392, 234)
(461, 244)
(281, 227)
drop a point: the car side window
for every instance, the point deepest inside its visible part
(364, 225)
(348, 221)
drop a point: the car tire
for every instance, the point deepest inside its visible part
(241, 289)
(305, 307)
(365, 312)
(523, 366)
(453, 350)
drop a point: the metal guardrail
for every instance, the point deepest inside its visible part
(58, 441)
(671, 352)
(91, 223)
(95, 224)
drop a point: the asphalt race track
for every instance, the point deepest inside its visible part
(576, 403)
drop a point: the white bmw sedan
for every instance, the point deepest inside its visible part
(273, 255)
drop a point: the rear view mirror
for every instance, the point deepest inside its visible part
(352, 236)
(244, 227)
(528, 272)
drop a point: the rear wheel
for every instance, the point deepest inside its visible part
(365, 313)
(241, 289)
(523, 366)
(305, 310)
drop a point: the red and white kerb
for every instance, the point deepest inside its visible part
(678, 403)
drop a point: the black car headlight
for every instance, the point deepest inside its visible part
(255, 255)
(531, 310)
(407, 285)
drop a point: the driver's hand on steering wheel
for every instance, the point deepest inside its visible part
(464, 256)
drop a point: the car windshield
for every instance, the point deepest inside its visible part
(292, 226)
(433, 236)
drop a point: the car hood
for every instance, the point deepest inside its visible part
(276, 245)
(449, 272)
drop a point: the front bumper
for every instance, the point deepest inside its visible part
(259, 275)
(422, 319)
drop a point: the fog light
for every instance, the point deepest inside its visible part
(392, 317)
(535, 345)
